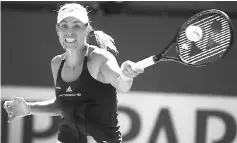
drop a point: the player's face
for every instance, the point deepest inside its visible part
(72, 32)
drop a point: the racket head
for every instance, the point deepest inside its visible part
(216, 41)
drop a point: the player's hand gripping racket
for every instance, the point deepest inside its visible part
(201, 40)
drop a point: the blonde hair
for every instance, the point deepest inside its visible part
(104, 40)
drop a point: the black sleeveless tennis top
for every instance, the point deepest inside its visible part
(84, 88)
(88, 98)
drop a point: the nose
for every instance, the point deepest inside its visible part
(69, 34)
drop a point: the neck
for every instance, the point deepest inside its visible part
(75, 56)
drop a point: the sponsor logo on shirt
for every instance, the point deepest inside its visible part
(69, 89)
(72, 94)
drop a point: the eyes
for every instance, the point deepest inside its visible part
(65, 26)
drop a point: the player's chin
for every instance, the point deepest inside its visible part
(70, 44)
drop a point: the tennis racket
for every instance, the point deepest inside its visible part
(216, 40)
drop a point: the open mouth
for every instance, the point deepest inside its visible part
(70, 40)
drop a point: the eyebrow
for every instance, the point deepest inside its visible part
(73, 22)
(77, 22)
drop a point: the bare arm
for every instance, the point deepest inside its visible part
(49, 107)
(120, 78)
(20, 108)
(112, 71)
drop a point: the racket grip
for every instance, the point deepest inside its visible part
(146, 62)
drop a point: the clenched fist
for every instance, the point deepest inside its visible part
(16, 108)
(130, 70)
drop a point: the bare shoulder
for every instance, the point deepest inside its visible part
(57, 59)
(101, 60)
(55, 63)
(95, 53)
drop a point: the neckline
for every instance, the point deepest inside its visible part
(84, 67)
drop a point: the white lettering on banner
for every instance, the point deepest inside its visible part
(183, 113)
(150, 117)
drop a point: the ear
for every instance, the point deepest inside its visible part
(56, 28)
(88, 29)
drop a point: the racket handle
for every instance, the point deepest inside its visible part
(146, 62)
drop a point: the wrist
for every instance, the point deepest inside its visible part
(124, 77)
(29, 106)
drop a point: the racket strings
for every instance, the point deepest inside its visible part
(208, 59)
(214, 43)
(203, 42)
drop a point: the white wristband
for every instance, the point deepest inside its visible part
(124, 77)
(29, 108)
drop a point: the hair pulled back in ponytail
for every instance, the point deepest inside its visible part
(105, 41)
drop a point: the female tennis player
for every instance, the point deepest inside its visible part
(86, 79)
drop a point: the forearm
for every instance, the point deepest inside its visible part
(48, 107)
(124, 84)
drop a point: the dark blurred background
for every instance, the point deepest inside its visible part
(140, 28)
